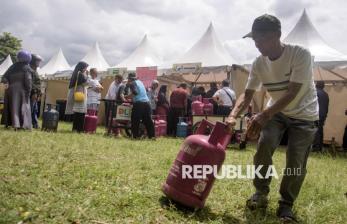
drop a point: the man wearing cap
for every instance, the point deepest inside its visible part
(141, 108)
(285, 71)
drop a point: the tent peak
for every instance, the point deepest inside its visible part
(56, 63)
(305, 34)
(144, 39)
(95, 59)
(210, 27)
(208, 50)
(145, 54)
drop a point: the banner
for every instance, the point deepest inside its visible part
(146, 75)
(117, 71)
(186, 68)
(123, 113)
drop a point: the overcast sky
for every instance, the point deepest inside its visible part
(174, 25)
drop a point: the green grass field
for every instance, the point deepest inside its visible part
(78, 178)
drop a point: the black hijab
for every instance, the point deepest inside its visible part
(163, 89)
(81, 78)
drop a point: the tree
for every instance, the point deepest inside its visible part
(9, 45)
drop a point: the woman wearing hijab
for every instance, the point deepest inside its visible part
(78, 83)
(162, 103)
(17, 80)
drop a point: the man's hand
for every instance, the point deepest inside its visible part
(231, 122)
(255, 125)
(6, 85)
(98, 89)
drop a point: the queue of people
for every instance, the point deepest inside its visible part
(22, 90)
(166, 107)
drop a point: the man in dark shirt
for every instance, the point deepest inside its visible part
(323, 101)
(36, 88)
(344, 144)
(213, 89)
(178, 106)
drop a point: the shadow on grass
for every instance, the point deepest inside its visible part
(201, 215)
(259, 216)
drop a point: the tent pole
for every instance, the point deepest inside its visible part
(197, 78)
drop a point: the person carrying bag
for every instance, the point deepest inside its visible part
(225, 98)
(76, 104)
(79, 96)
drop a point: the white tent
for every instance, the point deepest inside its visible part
(55, 64)
(95, 59)
(306, 35)
(5, 65)
(144, 55)
(208, 50)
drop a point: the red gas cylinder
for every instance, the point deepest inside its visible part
(157, 130)
(90, 121)
(197, 108)
(196, 150)
(162, 125)
(208, 106)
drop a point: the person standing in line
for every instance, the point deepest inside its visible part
(178, 106)
(344, 142)
(225, 98)
(209, 94)
(163, 103)
(93, 91)
(141, 108)
(36, 88)
(152, 94)
(112, 95)
(323, 103)
(18, 83)
(78, 83)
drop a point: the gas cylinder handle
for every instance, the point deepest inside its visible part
(181, 119)
(220, 135)
(91, 112)
(202, 127)
(49, 106)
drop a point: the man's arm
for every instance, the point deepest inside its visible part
(234, 102)
(259, 120)
(287, 98)
(242, 103)
(36, 83)
(133, 91)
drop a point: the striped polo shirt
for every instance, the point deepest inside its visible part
(294, 65)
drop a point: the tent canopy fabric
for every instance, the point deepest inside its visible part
(55, 64)
(342, 72)
(208, 50)
(321, 74)
(5, 65)
(305, 34)
(145, 55)
(95, 59)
